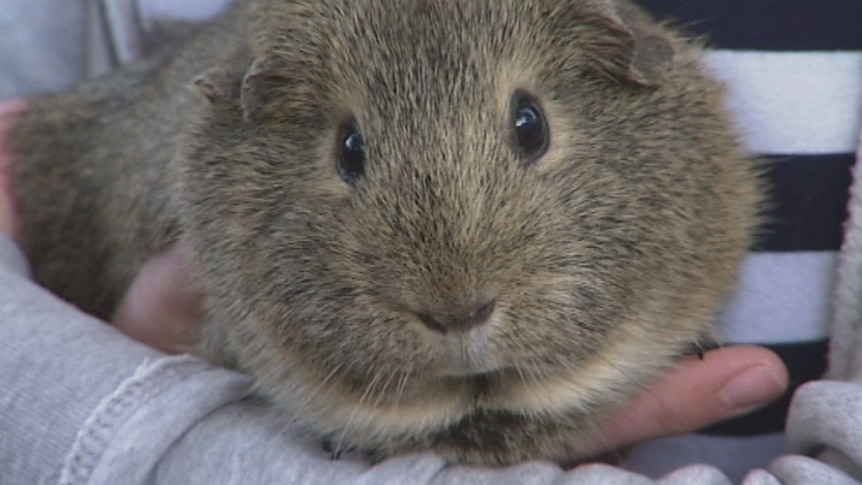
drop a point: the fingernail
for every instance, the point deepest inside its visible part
(753, 387)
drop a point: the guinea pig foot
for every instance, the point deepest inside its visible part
(329, 447)
(701, 346)
(337, 450)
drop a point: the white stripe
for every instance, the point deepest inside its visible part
(793, 102)
(781, 298)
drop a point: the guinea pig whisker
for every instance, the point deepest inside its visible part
(523, 373)
(403, 377)
(325, 381)
(381, 393)
(614, 366)
(529, 373)
(354, 414)
(306, 406)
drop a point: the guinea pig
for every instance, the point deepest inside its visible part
(475, 228)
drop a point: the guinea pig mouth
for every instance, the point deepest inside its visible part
(469, 354)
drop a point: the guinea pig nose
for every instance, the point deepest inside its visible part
(459, 321)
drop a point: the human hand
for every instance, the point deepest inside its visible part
(163, 307)
(697, 392)
(8, 111)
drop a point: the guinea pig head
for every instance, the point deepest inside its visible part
(409, 211)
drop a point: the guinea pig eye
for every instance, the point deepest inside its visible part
(351, 155)
(530, 127)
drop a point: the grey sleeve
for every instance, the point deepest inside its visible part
(41, 45)
(824, 430)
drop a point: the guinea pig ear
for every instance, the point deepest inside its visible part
(223, 82)
(638, 51)
(261, 84)
(252, 86)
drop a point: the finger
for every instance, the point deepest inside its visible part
(725, 383)
(163, 306)
(8, 111)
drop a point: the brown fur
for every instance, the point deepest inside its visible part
(606, 257)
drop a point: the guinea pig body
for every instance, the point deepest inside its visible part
(470, 227)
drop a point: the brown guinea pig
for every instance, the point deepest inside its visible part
(469, 227)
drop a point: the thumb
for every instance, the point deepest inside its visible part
(724, 383)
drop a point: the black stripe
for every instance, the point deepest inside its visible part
(806, 362)
(768, 24)
(807, 204)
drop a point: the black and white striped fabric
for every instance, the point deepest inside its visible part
(793, 70)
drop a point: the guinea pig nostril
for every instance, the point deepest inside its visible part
(432, 323)
(482, 312)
